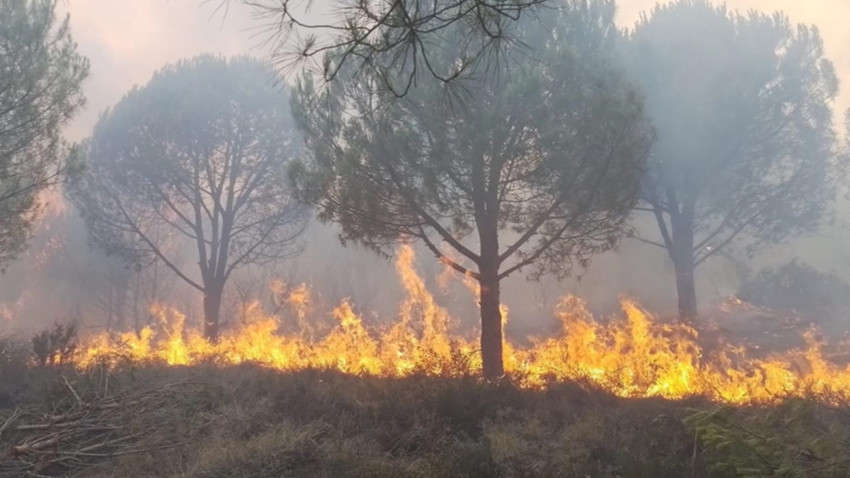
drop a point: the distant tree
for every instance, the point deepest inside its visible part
(845, 159)
(741, 107)
(798, 286)
(392, 39)
(40, 78)
(200, 151)
(547, 158)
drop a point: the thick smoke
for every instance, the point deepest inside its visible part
(62, 278)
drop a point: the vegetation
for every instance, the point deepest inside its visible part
(200, 152)
(798, 289)
(41, 75)
(716, 124)
(247, 421)
(546, 158)
(390, 40)
(798, 286)
(56, 345)
(741, 106)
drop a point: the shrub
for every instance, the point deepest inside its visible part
(798, 286)
(210, 422)
(800, 438)
(56, 345)
(13, 368)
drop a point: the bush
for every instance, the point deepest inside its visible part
(13, 368)
(797, 439)
(55, 346)
(13, 354)
(800, 287)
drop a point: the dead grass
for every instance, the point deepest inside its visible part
(246, 421)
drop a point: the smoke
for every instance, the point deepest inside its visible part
(61, 278)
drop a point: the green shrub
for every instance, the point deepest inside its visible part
(795, 440)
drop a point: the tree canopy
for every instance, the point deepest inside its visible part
(546, 158)
(393, 39)
(741, 107)
(41, 74)
(199, 152)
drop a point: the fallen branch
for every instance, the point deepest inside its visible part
(86, 433)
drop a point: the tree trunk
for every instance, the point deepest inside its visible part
(491, 327)
(686, 289)
(212, 308)
(487, 222)
(137, 286)
(683, 262)
(110, 312)
(122, 283)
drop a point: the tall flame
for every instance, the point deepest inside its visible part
(635, 357)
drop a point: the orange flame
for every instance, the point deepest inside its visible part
(635, 357)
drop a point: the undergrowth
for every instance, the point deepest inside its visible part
(246, 421)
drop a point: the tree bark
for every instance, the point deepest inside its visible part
(488, 282)
(122, 289)
(212, 309)
(686, 289)
(137, 328)
(683, 263)
(491, 327)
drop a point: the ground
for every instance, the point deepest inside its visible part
(246, 421)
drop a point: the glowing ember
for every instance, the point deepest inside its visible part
(635, 357)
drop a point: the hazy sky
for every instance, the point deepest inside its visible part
(127, 40)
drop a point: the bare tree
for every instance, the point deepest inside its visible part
(548, 159)
(199, 152)
(40, 78)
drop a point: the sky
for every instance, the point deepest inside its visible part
(128, 40)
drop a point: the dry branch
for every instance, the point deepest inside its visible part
(86, 433)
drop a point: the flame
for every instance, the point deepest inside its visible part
(634, 356)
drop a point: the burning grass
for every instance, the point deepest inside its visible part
(248, 421)
(277, 396)
(634, 355)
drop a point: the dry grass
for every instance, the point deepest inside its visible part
(249, 422)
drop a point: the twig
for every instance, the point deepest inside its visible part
(72, 442)
(15, 414)
(79, 401)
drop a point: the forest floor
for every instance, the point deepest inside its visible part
(245, 421)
